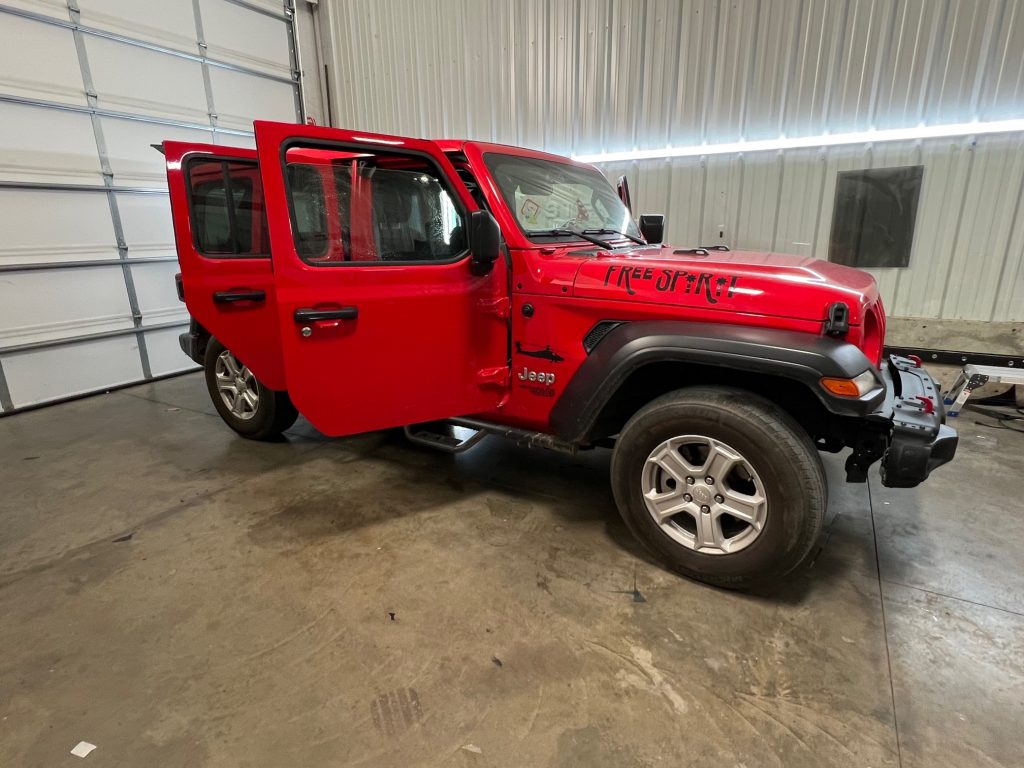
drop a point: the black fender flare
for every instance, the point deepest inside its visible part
(802, 357)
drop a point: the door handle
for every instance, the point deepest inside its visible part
(313, 315)
(230, 297)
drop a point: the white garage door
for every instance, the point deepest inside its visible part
(87, 256)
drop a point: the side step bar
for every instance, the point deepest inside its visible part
(444, 440)
(440, 436)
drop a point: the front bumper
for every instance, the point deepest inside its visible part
(918, 439)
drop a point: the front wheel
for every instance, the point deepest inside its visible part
(246, 405)
(721, 485)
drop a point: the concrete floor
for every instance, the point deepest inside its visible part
(366, 602)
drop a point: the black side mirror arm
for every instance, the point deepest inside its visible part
(484, 242)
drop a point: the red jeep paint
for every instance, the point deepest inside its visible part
(359, 278)
(444, 329)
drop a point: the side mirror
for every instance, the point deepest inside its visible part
(652, 227)
(623, 189)
(484, 242)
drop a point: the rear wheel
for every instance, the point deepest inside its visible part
(246, 405)
(721, 485)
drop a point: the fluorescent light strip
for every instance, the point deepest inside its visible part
(822, 140)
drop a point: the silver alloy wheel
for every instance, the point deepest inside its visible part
(704, 494)
(237, 386)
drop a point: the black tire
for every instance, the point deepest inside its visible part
(274, 412)
(786, 464)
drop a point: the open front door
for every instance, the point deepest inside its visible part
(382, 321)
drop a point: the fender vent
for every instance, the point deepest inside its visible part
(598, 332)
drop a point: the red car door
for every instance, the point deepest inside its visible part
(382, 322)
(224, 251)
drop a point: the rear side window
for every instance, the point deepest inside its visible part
(226, 206)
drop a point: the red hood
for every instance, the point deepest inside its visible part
(736, 281)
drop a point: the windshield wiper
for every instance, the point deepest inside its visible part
(616, 232)
(575, 233)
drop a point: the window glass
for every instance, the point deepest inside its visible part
(228, 218)
(546, 195)
(309, 207)
(874, 216)
(368, 207)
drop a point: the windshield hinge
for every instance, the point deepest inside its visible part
(498, 305)
(492, 377)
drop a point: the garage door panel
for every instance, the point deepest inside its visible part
(57, 9)
(131, 79)
(59, 148)
(146, 224)
(233, 140)
(132, 158)
(49, 308)
(239, 36)
(170, 23)
(154, 288)
(48, 226)
(242, 98)
(66, 370)
(165, 355)
(53, 304)
(53, 77)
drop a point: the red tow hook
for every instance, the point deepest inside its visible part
(916, 359)
(928, 405)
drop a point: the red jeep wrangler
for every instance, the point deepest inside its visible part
(457, 288)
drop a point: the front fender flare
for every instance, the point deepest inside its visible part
(803, 357)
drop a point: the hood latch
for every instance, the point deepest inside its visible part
(837, 319)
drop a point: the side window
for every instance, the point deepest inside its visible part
(226, 204)
(370, 208)
(309, 209)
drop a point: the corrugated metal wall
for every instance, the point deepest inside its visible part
(968, 247)
(583, 76)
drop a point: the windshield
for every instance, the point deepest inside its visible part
(546, 195)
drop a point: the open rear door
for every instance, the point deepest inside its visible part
(382, 322)
(224, 251)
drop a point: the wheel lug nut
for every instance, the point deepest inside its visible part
(687, 497)
(709, 480)
(719, 498)
(689, 481)
(705, 509)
